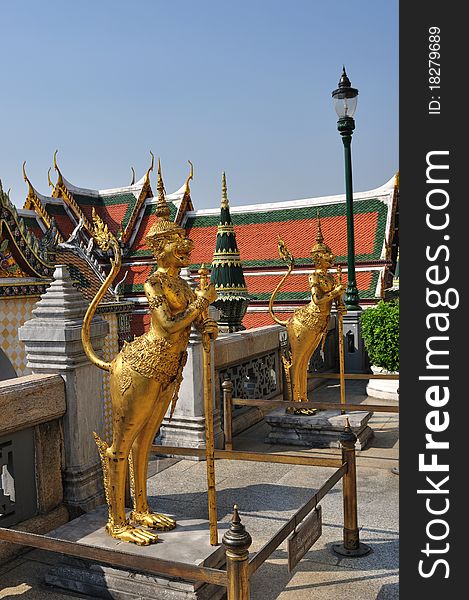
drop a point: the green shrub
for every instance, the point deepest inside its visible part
(380, 330)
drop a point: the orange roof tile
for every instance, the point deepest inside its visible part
(258, 241)
(261, 319)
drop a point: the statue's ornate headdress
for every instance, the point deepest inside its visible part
(163, 227)
(320, 247)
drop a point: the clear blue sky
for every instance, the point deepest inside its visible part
(241, 86)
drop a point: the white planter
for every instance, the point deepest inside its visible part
(385, 389)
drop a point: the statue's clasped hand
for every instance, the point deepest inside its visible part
(340, 289)
(208, 293)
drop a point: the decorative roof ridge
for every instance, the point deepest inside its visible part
(179, 194)
(18, 229)
(28, 213)
(77, 247)
(35, 200)
(134, 189)
(74, 189)
(61, 189)
(141, 198)
(385, 190)
(176, 197)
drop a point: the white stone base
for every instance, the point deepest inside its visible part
(187, 543)
(384, 389)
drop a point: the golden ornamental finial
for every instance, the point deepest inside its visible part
(101, 233)
(49, 180)
(56, 167)
(25, 177)
(191, 176)
(224, 191)
(147, 176)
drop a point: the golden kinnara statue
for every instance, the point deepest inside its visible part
(308, 325)
(146, 374)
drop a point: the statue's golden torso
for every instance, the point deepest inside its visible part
(158, 354)
(177, 292)
(314, 317)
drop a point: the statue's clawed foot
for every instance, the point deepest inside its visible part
(129, 533)
(152, 520)
(301, 411)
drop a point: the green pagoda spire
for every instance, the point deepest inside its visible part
(227, 272)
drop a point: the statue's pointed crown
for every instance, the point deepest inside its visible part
(163, 226)
(320, 246)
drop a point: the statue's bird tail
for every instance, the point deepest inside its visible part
(288, 258)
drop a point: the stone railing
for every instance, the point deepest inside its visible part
(31, 455)
(251, 359)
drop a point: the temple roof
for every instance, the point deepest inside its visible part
(257, 227)
(28, 254)
(117, 207)
(22, 254)
(129, 212)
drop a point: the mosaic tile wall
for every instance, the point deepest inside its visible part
(13, 313)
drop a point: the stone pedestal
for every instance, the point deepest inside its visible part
(321, 430)
(355, 357)
(187, 427)
(187, 543)
(53, 345)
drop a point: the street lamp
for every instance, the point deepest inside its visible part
(345, 104)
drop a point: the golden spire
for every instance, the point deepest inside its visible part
(147, 176)
(224, 191)
(162, 208)
(60, 180)
(319, 236)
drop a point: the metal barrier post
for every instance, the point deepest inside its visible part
(352, 546)
(227, 386)
(237, 541)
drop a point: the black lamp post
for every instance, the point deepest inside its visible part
(345, 103)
